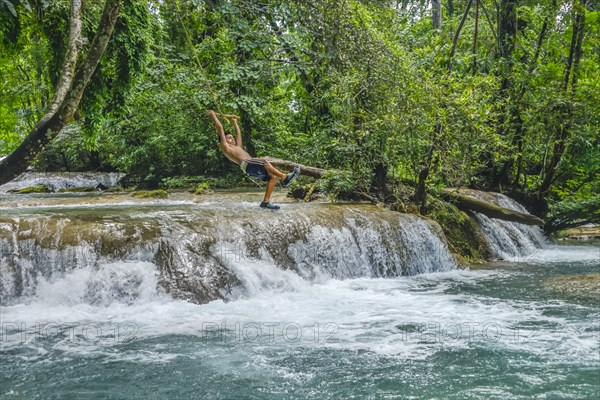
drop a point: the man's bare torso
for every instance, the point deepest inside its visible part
(234, 153)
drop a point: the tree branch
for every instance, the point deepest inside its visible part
(457, 34)
(306, 170)
(70, 63)
(54, 121)
(465, 202)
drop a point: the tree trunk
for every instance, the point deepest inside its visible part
(457, 33)
(475, 37)
(571, 69)
(578, 45)
(247, 129)
(507, 29)
(68, 69)
(379, 181)
(436, 14)
(421, 188)
(515, 119)
(507, 32)
(305, 170)
(67, 100)
(465, 202)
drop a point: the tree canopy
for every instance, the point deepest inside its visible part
(494, 94)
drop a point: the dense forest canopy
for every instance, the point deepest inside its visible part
(494, 94)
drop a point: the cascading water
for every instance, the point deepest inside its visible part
(206, 252)
(91, 302)
(508, 240)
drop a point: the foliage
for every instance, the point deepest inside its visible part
(368, 90)
(339, 185)
(203, 188)
(572, 213)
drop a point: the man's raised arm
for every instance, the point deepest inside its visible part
(238, 139)
(218, 125)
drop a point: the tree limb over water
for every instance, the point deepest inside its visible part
(468, 203)
(304, 169)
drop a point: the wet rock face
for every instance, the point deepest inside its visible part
(61, 181)
(202, 252)
(34, 248)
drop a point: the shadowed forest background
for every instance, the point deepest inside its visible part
(396, 99)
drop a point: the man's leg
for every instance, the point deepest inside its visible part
(273, 172)
(270, 187)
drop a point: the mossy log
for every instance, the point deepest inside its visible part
(468, 203)
(305, 170)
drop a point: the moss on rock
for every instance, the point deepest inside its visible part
(33, 189)
(464, 235)
(78, 189)
(203, 188)
(150, 194)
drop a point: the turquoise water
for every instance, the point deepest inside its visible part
(502, 332)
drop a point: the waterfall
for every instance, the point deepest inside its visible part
(508, 240)
(202, 252)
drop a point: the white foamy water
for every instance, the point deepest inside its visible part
(510, 241)
(564, 253)
(406, 317)
(120, 282)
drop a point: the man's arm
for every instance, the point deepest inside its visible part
(238, 138)
(218, 125)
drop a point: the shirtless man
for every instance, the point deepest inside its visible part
(256, 167)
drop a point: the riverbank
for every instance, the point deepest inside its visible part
(584, 233)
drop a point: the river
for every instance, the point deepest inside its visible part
(360, 303)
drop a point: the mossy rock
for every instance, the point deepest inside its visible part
(78, 189)
(462, 232)
(33, 189)
(150, 194)
(203, 188)
(581, 233)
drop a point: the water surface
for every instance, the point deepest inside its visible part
(502, 332)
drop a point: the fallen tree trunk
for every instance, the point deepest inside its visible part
(305, 170)
(467, 203)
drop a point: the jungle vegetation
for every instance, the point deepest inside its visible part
(396, 99)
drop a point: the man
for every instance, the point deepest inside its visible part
(255, 167)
